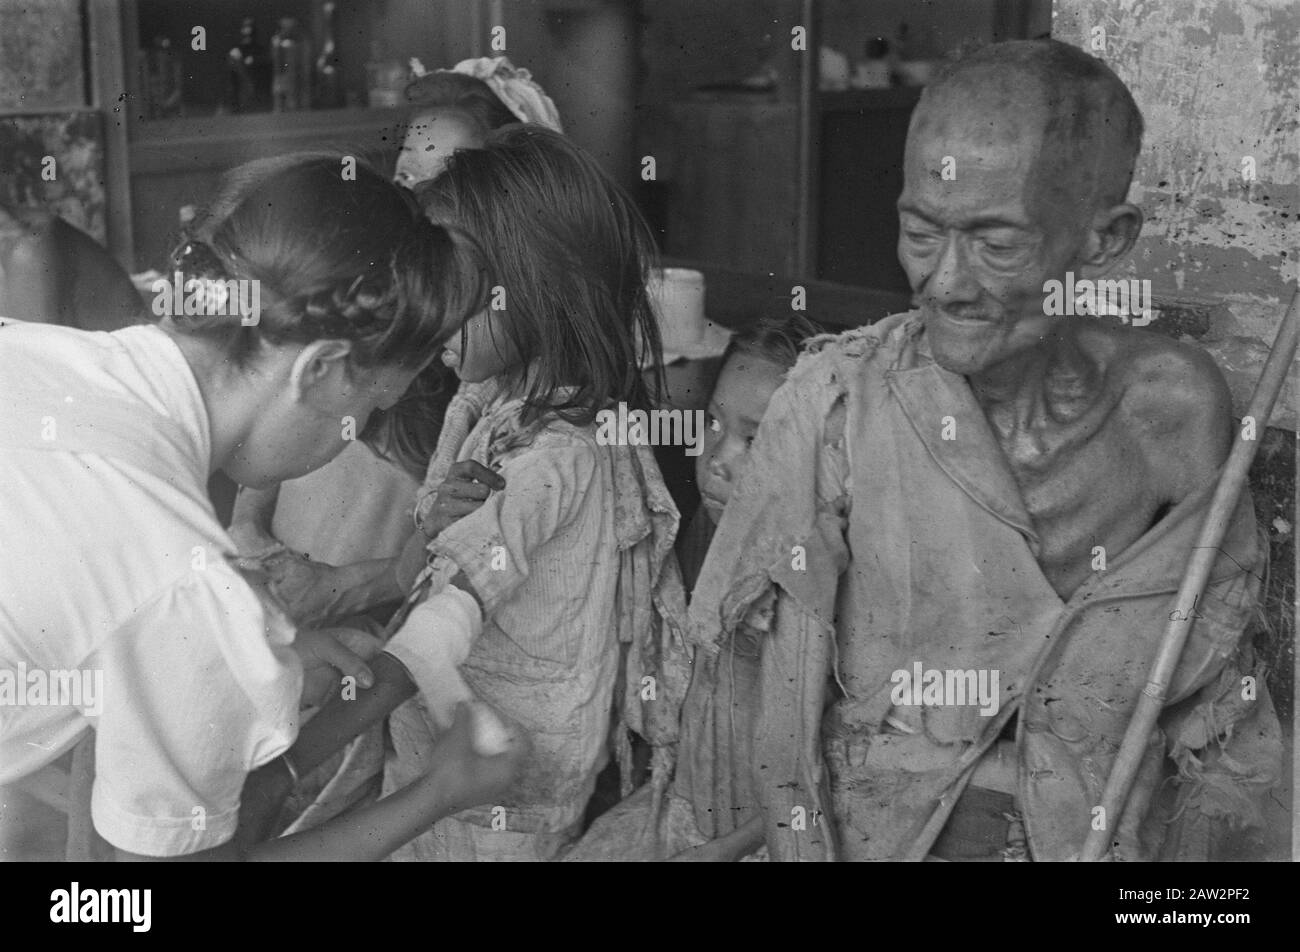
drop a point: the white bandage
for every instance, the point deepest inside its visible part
(432, 644)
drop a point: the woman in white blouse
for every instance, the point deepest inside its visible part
(309, 299)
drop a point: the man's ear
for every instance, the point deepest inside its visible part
(320, 370)
(1110, 237)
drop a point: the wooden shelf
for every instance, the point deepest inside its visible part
(219, 142)
(862, 100)
(737, 299)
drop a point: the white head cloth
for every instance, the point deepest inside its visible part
(514, 87)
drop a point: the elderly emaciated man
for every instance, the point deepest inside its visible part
(981, 486)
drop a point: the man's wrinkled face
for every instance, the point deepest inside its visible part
(976, 240)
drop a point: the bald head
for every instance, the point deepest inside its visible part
(1017, 165)
(1074, 118)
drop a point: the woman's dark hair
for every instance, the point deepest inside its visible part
(571, 252)
(339, 253)
(777, 340)
(465, 94)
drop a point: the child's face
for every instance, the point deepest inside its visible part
(740, 398)
(431, 138)
(488, 349)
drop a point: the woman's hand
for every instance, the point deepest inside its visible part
(329, 654)
(462, 776)
(314, 593)
(467, 486)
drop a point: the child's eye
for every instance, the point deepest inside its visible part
(713, 423)
(749, 441)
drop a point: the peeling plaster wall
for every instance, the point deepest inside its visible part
(1218, 84)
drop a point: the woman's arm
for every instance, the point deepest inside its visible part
(319, 594)
(340, 720)
(459, 778)
(250, 523)
(335, 725)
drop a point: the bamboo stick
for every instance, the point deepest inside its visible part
(1202, 559)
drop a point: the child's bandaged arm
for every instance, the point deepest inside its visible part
(544, 488)
(491, 552)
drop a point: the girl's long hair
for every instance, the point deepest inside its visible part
(569, 252)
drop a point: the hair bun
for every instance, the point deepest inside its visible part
(349, 310)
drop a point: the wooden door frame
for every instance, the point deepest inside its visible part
(108, 25)
(809, 135)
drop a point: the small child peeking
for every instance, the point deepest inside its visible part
(567, 551)
(753, 368)
(714, 765)
(711, 813)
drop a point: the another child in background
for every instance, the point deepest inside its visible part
(753, 367)
(711, 812)
(456, 108)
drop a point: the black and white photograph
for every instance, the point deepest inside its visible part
(612, 431)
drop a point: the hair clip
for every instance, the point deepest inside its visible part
(196, 259)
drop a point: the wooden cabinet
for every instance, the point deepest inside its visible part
(860, 139)
(733, 195)
(174, 162)
(178, 162)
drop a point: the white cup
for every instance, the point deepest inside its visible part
(677, 296)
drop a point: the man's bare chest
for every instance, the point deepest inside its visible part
(1089, 488)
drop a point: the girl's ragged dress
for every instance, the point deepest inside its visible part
(571, 559)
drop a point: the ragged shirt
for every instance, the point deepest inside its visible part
(715, 753)
(887, 547)
(570, 559)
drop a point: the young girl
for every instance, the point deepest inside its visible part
(572, 556)
(114, 569)
(328, 538)
(711, 811)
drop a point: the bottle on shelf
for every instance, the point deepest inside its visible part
(873, 70)
(248, 68)
(290, 68)
(385, 78)
(239, 88)
(900, 53)
(160, 80)
(327, 83)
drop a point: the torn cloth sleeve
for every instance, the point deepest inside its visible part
(784, 526)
